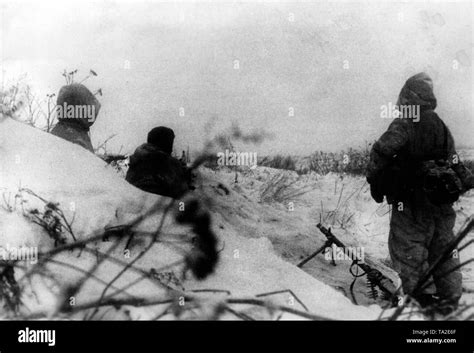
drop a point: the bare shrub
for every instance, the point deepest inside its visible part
(282, 188)
(352, 161)
(279, 162)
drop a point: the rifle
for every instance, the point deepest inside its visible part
(109, 158)
(374, 276)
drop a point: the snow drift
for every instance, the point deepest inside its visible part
(93, 197)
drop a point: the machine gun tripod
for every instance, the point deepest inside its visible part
(375, 278)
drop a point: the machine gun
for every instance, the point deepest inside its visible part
(375, 278)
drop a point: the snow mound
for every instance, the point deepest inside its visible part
(92, 197)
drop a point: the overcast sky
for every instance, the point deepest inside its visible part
(333, 64)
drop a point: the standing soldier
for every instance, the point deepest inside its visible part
(415, 166)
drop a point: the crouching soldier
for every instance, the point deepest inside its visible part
(153, 169)
(415, 166)
(77, 108)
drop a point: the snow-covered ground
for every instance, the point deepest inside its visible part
(92, 196)
(338, 201)
(261, 239)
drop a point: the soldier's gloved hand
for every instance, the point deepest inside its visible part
(469, 183)
(373, 178)
(467, 178)
(375, 193)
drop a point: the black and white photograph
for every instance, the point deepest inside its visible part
(279, 171)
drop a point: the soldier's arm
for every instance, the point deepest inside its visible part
(467, 178)
(387, 146)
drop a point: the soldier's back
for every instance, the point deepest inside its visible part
(157, 172)
(73, 134)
